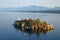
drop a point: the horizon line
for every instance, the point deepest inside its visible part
(29, 6)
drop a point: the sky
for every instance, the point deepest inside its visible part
(22, 3)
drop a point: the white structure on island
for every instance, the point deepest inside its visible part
(18, 18)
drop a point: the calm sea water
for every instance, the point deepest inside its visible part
(9, 32)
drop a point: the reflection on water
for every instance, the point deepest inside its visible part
(38, 32)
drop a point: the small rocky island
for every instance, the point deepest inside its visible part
(30, 24)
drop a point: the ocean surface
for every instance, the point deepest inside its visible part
(9, 32)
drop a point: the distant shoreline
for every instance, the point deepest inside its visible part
(41, 11)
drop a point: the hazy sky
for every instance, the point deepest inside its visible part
(21, 3)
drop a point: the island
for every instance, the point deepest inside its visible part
(30, 24)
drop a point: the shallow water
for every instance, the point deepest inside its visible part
(9, 32)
